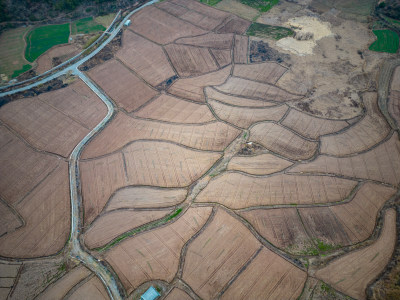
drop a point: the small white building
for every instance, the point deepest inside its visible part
(127, 23)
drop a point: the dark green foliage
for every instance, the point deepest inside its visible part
(388, 41)
(24, 69)
(268, 31)
(210, 2)
(260, 5)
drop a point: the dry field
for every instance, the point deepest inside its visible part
(240, 49)
(9, 219)
(177, 294)
(394, 96)
(8, 276)
(124, 87)
(209, 40)
(62, 53)
(124, 129)
(234, 25)
(280, 140)
(351, 273)
(155, 254)
(262, 164)
(90, 290)
(222, 57)
(174, 110)
(269, 72)
(236, 190)
(212, 93)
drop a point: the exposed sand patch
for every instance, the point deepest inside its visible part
(302, 26)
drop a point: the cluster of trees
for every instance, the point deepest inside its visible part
(390, 8)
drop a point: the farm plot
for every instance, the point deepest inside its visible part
(282, 227)
(85, 26)
(199, 19)
(311, 127)
(394, 105)
(381, 164)
(210, 40)
(265, 72)
(124, 87)
(262, 164)
(251, 89)
(61, 287)
(238, 191)
(217, 254)
(395, 84)
(201, 8)
(282, 141)
(123, 129)
(90, 290)
(348, 223)
(171, 109)
(141, 163)
(365, 134)
(239, 9)
(240, 49)
(145, 197)
(269, 32)
(352, 272)
(244, 117)
(192, 88)
(45, 212)
(234, 25)
(233, 100)
(155, 254)
(387, 41)
(8, 274)
(223, 57)
(177, 294)
(9, 220)
(56, 55)
(161, 27)
(191, 61)
(110, 225)
(271, 276)
(146, 58)
(21, 167)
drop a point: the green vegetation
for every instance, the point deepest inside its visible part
(268, 31)
(85, 26)
(105, 20)
(387, 41)
(91, 40)
(41, 39)
(210, 2)
(358, 10)
(12, 47)
(325, 247)
(260, 5)
(22, 70)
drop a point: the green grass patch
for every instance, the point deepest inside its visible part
(260, 5)
(325, 247)
(387, 41)
(41, 39)
(268, 31)
(210, 2)
(85, 26)
(24, 68)
(105, 20)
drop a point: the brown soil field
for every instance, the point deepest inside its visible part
(60, 53)
(239, 9)
(145, 197)
(311, 127)
(223, 57)
(348, 223)
(352, 272)
(161, 27)
(123, 129)
(217, 254)
(202, 8)
(61, 287)
(110, 225)
(171, 109)
(395, 84)
(244, 117)
(146, 58)
(271, 277)
(155, 254)
(234, 25)
(282, 141)
(8, 274)
(192, 88)
(240, 49)
(236, 101)
(237, 191)
(201, 20)
(210, 40)
(9, 220)
(394, 105)
(282, 227)
(124, 87)
(141, 163)
(46, 213)
(78, 102)
(269, 72)
(262, 164)
(363, 135)
(251, 89)
(190, 60)
(22, 168)
(177, 294)
(381, 163)
(91, 290)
